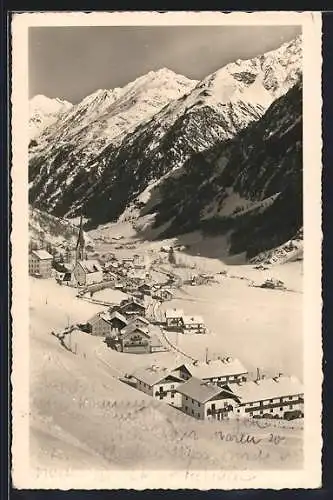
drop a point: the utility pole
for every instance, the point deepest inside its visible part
(207, 355)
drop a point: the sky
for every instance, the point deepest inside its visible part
(72, 62)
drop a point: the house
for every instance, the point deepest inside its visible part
(138, 321)
(146, 288)
(106, 323)
(134, 339)
(155, 344)
(173, 318)
(117, 321)
(40, 263)
(127, 262)
(132, 307)
(278, 397)
(222, 371)
(87, 272)
(136, 259)
(137, 277)
(159, 383)
(204, 400)
(163, 294)
(99, 325)
(193, 324)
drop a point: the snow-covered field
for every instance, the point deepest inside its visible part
(263, 328)
(110, 295)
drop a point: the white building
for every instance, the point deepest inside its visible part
(160, 383)
(193, 324)
(40, 263)
(225, 371)
(173, 318)
(87, 272)
(205, 401)
(271, 398)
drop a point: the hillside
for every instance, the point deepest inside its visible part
(250, 187)
(47, 229)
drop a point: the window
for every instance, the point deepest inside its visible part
(251, 413)
(261, 412)
(186, 398)
(290, 407)
(271, 410)
(172, 394)
(161, 388)
(238, 411)
(251, 404)
(172, 387)
(281, 408)
(290, 397)
(192, 412)
(186, 408)
(271, 400)
(213, 406)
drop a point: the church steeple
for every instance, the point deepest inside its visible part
(79, 255)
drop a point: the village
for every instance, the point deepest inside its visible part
(142, 324)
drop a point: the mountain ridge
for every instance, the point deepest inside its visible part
(107, 178)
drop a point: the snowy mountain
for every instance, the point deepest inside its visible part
(43, 112)
(112, 152)
(249, 187)
(105, 116)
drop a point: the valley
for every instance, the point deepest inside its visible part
(77, 397)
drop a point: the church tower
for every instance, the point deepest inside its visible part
(79, 252)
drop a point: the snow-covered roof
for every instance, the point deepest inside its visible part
(42, 254)
(269, 388)
(90, 266)
(135, 326)
(216, 368)
(128, 329)
(118, 315)
(174, 313)
(199, 390)
(192, 320)
(132, 300)
(105, 316)
(140, 319)
(153, 374)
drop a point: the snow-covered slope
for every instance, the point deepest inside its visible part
(43, 112)
(60, 233)
(250, 186)
(105, 116)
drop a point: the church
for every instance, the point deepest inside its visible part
(86, 271)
